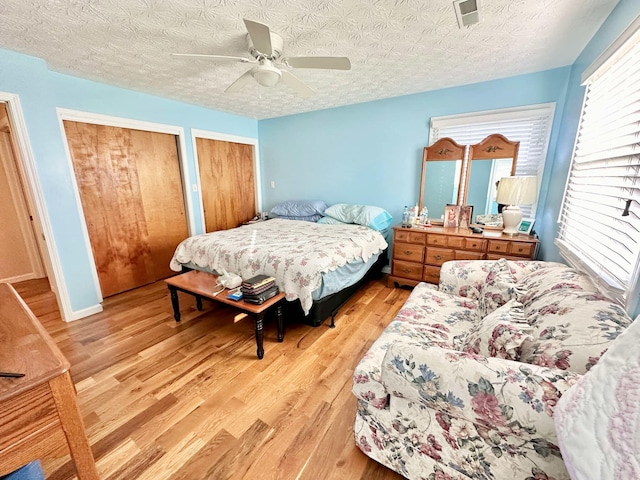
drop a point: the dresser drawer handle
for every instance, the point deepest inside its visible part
(438, 257)
(408, 252)
(406, 270)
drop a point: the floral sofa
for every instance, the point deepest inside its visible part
(463, 382)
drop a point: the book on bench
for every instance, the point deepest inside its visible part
(258, 281)
(258, 284)
(261, 297)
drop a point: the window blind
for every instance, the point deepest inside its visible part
(599, 226)
(530, 125)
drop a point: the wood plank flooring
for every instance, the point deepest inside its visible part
(189, 400)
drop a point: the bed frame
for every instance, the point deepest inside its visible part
(329, 305)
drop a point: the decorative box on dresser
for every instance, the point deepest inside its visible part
(418, 253)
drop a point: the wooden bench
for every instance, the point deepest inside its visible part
(203, 285)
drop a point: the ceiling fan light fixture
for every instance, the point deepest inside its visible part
(267, 75)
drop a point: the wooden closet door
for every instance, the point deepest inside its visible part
(131, 193)
(228, 183)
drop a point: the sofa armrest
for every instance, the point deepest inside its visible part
(510, 397)
(464, 278)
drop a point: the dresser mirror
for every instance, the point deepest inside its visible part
(490, 160)
(441, 176)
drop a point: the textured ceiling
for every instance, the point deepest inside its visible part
(396, 47)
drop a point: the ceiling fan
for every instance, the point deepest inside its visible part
(265, 48)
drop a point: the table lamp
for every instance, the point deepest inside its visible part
(514, 191)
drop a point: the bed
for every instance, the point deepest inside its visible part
(317, 266)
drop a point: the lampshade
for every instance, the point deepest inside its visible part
(514, 191)
(517, 190)
(267, 75)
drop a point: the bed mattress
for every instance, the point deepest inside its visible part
(308, 260)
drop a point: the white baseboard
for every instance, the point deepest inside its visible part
(78, 314)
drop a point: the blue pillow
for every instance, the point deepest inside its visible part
(299, 208)
(308, 218)
(331, 221)
(373, 217)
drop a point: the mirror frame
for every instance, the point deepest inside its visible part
(492, 147)
(445, 149)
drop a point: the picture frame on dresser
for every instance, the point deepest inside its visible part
(451, 216)
(526, 225)
(466, 216)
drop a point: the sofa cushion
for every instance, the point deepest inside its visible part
(498, 287)
(571, 328)
(555, 276)
(500, 334)
(428, 317)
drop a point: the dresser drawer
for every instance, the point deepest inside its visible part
(408, 251)
(522, 249)
(455, 242)
(417, 237)
(401, 236)
(438, 240)
(437, 256)
(467, 255)
(431, 274)
(495, 256)
(407, 270)
(498, 246)
(475, 244)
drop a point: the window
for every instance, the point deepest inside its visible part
(599, 224)
(530, 125)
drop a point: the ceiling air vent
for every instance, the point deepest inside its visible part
(467, 12)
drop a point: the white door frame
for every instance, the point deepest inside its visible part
(121, 122)
(224, 137)
(27, 170)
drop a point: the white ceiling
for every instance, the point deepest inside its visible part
(396, 47)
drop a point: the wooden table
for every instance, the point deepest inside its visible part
(203, 285)
(38, 412)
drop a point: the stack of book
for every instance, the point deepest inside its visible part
(259, 289)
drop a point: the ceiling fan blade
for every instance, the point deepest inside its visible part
(294, 82)
(330, 63)
(242, 80)
(217, 58)
(260, 36)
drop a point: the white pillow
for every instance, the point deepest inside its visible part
(373, 217)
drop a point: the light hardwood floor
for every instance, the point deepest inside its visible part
(190, 400)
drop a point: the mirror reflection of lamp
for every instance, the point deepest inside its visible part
(512, 192)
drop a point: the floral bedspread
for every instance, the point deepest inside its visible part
(295, 253)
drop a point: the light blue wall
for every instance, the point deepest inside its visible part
(619, 19)
(371, 153)
(41, 91)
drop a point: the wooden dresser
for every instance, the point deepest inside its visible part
(418, 253)
(39, 413)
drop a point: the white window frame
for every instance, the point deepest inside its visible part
(626, 291)
(480, 124)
